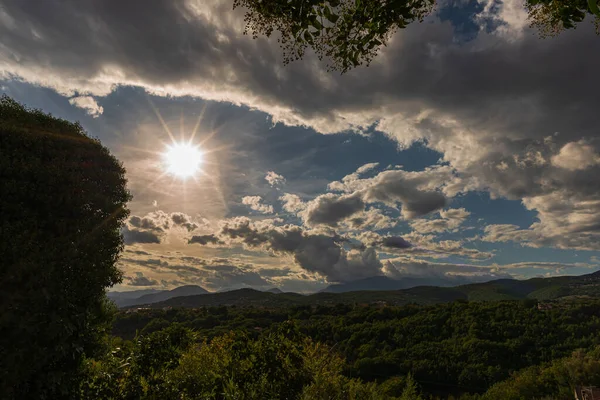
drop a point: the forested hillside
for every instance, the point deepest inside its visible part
(455, 349)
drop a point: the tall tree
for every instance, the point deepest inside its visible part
(63, 199)
(350, 33)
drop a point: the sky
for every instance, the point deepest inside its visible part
(468, 150)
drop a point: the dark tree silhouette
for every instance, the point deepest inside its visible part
(63, 199)
(349, 33)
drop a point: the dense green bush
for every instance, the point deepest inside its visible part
(62, 201)
(174, 363)
(450, 349)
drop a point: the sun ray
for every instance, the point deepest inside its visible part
(162, 121)
(181, 128)
(200, 116)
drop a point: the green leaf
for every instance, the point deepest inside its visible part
(308, 37)
(593, 5)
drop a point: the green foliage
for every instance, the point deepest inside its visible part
(448, 348)
(174, 364)
(348, 32)
(63, 200)
(555, 380)
(553, 16)
(410, 392)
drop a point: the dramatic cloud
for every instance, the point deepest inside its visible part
(256, 204)
(499, 124)
(418, 192)
(313, 251)
(274, 179)
(88, 104)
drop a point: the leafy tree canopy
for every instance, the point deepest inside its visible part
(63, 200)
(350, 32)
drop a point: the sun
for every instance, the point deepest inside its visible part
(183, 160)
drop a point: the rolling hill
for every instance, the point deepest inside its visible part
(503, 289)
(159, 296)
(384, 283)
(120, 297)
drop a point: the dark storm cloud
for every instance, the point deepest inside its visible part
(313, 251)
(138, 252)
(132, 236)
(330, 209)
(183, 220)
(491, 106)
(392, 186)
(395, 242)
(418, 193)
(204, 239)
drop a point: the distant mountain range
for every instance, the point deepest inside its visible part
(502, 289)
(385, 283)
(136, 297)
(151, 296)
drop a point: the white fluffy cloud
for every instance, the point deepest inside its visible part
(292, 203)
(88, 104)
(576, 156)
(256, 204)
(274, 178)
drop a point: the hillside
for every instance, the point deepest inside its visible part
(120, 297)
(189, 290)
(503, 289)
(379, 283)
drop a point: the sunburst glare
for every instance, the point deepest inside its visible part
(183, 160)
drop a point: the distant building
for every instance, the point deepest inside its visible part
(544, 306)
(587, 393)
